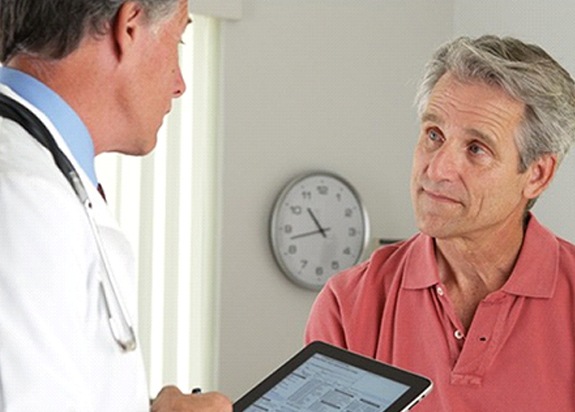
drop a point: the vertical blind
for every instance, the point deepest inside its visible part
(166, 203)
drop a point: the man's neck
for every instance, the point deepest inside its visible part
(473, 267)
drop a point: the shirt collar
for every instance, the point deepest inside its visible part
(536, 271)
(421, 270)
(64, 118)
(534, 274)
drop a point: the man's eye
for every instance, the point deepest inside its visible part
(476, 149)
(434, 135)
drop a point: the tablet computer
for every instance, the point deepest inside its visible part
(322, 378)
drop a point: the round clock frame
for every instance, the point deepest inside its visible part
(318, 227)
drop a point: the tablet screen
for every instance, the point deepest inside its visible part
(325, 384)
(324, 378)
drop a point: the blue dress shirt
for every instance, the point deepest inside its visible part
(66, 121)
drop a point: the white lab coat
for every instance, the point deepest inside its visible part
(56, 349)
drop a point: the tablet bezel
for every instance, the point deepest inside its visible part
(419, 386)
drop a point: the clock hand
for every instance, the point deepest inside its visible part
(321, 230)
(315, 232)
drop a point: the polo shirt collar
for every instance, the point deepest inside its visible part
(421, 270)
(534, 274)
(536, 271)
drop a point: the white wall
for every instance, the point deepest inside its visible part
(549, 24)
(309, 84)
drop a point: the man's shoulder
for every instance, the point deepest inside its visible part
(566, 252)
(383, 266)
(542, 237)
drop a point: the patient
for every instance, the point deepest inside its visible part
(482, 299)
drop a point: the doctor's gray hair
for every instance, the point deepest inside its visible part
(52, 29)
(528, 74)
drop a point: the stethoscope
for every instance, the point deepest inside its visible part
(118, 318)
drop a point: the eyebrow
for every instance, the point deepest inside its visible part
(187, 22)
(430, 117)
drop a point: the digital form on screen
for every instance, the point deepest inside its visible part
(323, 384)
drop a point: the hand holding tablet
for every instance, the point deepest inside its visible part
(322, 377)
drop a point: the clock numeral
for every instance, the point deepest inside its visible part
(292, 249)
(347, 251)
(348, 212)
(303, 263)
(296, 210)
(323, 190)
(288, 229)
(335, 265)
(319, 271)
(352, 232)
(306, 194)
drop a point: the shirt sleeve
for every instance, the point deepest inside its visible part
(347, 312)
(325, 320)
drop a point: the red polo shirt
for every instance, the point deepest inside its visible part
(519, 353)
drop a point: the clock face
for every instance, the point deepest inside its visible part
(318, 228)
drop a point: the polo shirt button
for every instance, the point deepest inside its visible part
(439, 290)
(458, 334)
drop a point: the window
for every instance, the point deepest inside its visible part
(166, 202)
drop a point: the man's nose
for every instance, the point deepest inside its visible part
(444, 163)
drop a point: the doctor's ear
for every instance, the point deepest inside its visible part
(126, 27)
(541, 173)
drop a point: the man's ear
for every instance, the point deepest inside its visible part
(540, 175)
(126, 26)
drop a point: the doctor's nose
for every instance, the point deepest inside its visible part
(180, 84)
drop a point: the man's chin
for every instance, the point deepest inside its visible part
(435, 226)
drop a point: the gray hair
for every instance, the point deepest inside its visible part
(52, 29)
(528, 74)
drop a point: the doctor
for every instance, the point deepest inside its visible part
(100, 76)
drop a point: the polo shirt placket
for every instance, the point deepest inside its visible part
(476, 350)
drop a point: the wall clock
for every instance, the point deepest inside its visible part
(318, 227)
